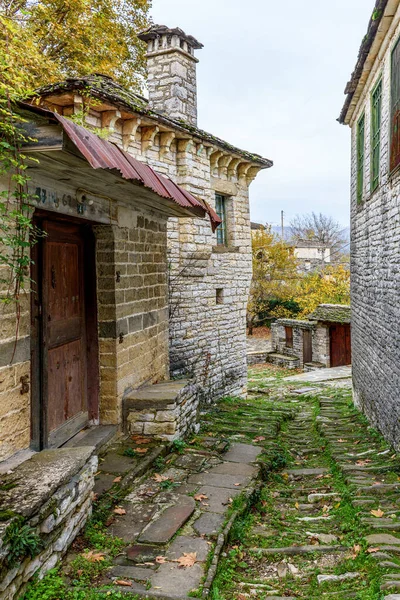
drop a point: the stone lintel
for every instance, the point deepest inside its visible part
(224, 187)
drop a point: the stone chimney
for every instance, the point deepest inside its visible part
(171, 65)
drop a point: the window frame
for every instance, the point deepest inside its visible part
(220, 209)
(360, 157)
(394, 167)
(376, 134)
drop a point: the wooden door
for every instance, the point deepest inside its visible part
(64, 332)
(307, 346)
(340, 345)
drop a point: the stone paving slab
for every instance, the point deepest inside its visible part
(209, 524)
(218, 499)
(169, 522)
(187, 544)
(219, 480)
(243, 453)
(170, 579)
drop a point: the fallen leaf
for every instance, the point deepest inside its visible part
(341, 441)
(237, 484)
(117, 479)
(138, 439)
(356, 550)
(123, 582)
(141, 450)
(94, 497)
(159, 478)
(109, 521)
(161, 560)
(187, 560)
(377, 513)
(201, 497)
(373, 550)
(93, 556)
(260, 438)
(119, 511)
(297, 505)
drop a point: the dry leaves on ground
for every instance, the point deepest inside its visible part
(117, 479)
(161, 560)
(187, 560)
(260, 438)
(201, 497)
(119, 511)
(356, 550)
(141, 450)
(373, 550)
(138, 439)
(93, 556)
(123, 582)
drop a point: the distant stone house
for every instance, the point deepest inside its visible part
(372, 110)
(311, 255)
(132, 283)
(322, 340)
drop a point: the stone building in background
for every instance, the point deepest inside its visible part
(132, 283)
(372, 110)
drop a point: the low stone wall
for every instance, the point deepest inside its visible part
(256, 358)
(282, 360)
(52, 494)
(166, 411)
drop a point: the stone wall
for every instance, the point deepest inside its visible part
(375, 258)
(52, 494)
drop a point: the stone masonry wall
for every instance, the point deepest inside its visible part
(375, 277)
(53, 496)
(14, 372)
(207, 338)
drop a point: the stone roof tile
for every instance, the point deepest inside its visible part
(331, 313)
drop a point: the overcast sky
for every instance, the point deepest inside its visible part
(270, 80)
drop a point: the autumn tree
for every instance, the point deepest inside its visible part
(274, 277)
(331, 286)
(322, 228)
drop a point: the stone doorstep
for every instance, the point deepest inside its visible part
(154, 396)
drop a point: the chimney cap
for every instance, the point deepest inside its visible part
(156, 31)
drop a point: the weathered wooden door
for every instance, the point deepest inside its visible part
(307, 346)
(340, 345)
(64, 332)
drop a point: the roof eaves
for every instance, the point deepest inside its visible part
(106, 89)
(363, 54)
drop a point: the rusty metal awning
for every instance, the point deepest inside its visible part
(102, 154)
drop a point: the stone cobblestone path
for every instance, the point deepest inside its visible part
(327, 520)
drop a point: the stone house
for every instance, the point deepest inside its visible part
(322, 340)
(371, 110)
(311, 255)
(144, 273)
(125, 224)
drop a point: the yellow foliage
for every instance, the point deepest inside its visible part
(331, 286)
(274, 271)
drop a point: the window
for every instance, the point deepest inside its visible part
(220, 209)
(360, 157)
(376, 117)
(395, 110)
(289, 337)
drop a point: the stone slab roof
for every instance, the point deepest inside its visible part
(105, 88)
(301, 324)
(368, 41)
(332, 313)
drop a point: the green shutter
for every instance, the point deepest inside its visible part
(395, 109)
(376, 117)
(221, 212)
(360, 157)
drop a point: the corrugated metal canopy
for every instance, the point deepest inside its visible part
(101, 154)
